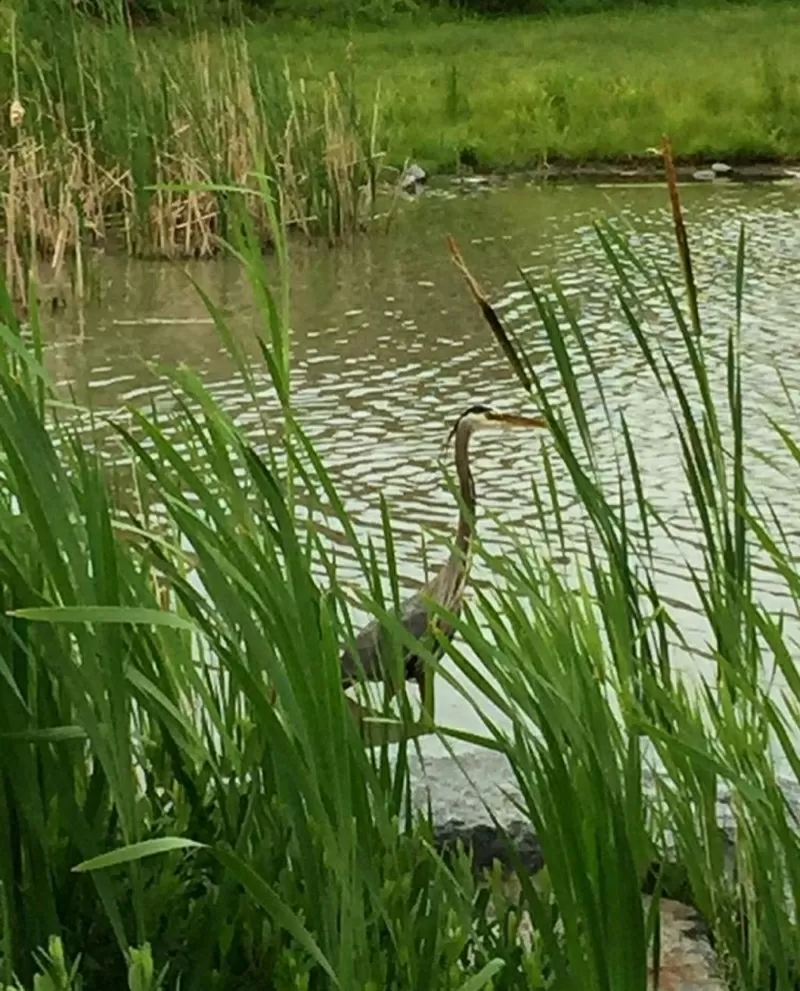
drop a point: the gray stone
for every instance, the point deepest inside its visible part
(477, 793)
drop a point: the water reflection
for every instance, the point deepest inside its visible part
(388, 348)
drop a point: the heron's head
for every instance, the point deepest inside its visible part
(480, 417)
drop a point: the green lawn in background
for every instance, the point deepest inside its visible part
(720, 81)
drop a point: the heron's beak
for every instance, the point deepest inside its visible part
(514, 420)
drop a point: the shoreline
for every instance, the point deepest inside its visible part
(742, 170)
(641, 171)
(644, 169)
(474, 799)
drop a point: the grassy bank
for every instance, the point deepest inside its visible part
(184, 797)
(113, 132)
(722, 81)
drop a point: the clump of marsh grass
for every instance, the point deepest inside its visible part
(180, 770)
(585, 670)
(142, 145)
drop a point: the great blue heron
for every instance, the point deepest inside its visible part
(446, 588)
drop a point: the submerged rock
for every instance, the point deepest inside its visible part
(718, 170)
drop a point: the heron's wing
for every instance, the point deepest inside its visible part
(372, 640)
(365, 655)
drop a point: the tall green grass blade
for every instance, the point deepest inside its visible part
(269, 899)
(103, 615)
(136, 851)
(483, 977)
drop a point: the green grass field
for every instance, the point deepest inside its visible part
(721, 81)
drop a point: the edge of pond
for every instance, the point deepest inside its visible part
(474, 798)
(617, 172)
(632, 170)
(475, 802)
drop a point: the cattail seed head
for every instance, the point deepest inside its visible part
(17, 113)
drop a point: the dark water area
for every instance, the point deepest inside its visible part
(388, 348)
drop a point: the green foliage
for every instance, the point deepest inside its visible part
(590, 662)
(52, 973)
(184, 774)
(544, 89)
(185, 799)
(499, 8)
(121, 140)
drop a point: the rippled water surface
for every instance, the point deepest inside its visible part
(388, 348)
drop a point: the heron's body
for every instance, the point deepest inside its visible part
(446, 588)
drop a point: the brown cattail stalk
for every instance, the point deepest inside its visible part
(680, 232)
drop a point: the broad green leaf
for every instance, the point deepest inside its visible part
(51, 734)
(482, 978)
(136, 851)
(99, 615)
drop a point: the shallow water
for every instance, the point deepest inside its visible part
(389, 348)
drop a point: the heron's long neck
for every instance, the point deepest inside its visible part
(466, 517)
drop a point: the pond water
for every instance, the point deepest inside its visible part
(389, 348)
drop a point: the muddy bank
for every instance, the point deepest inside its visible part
(651, 169)
(636, 170)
